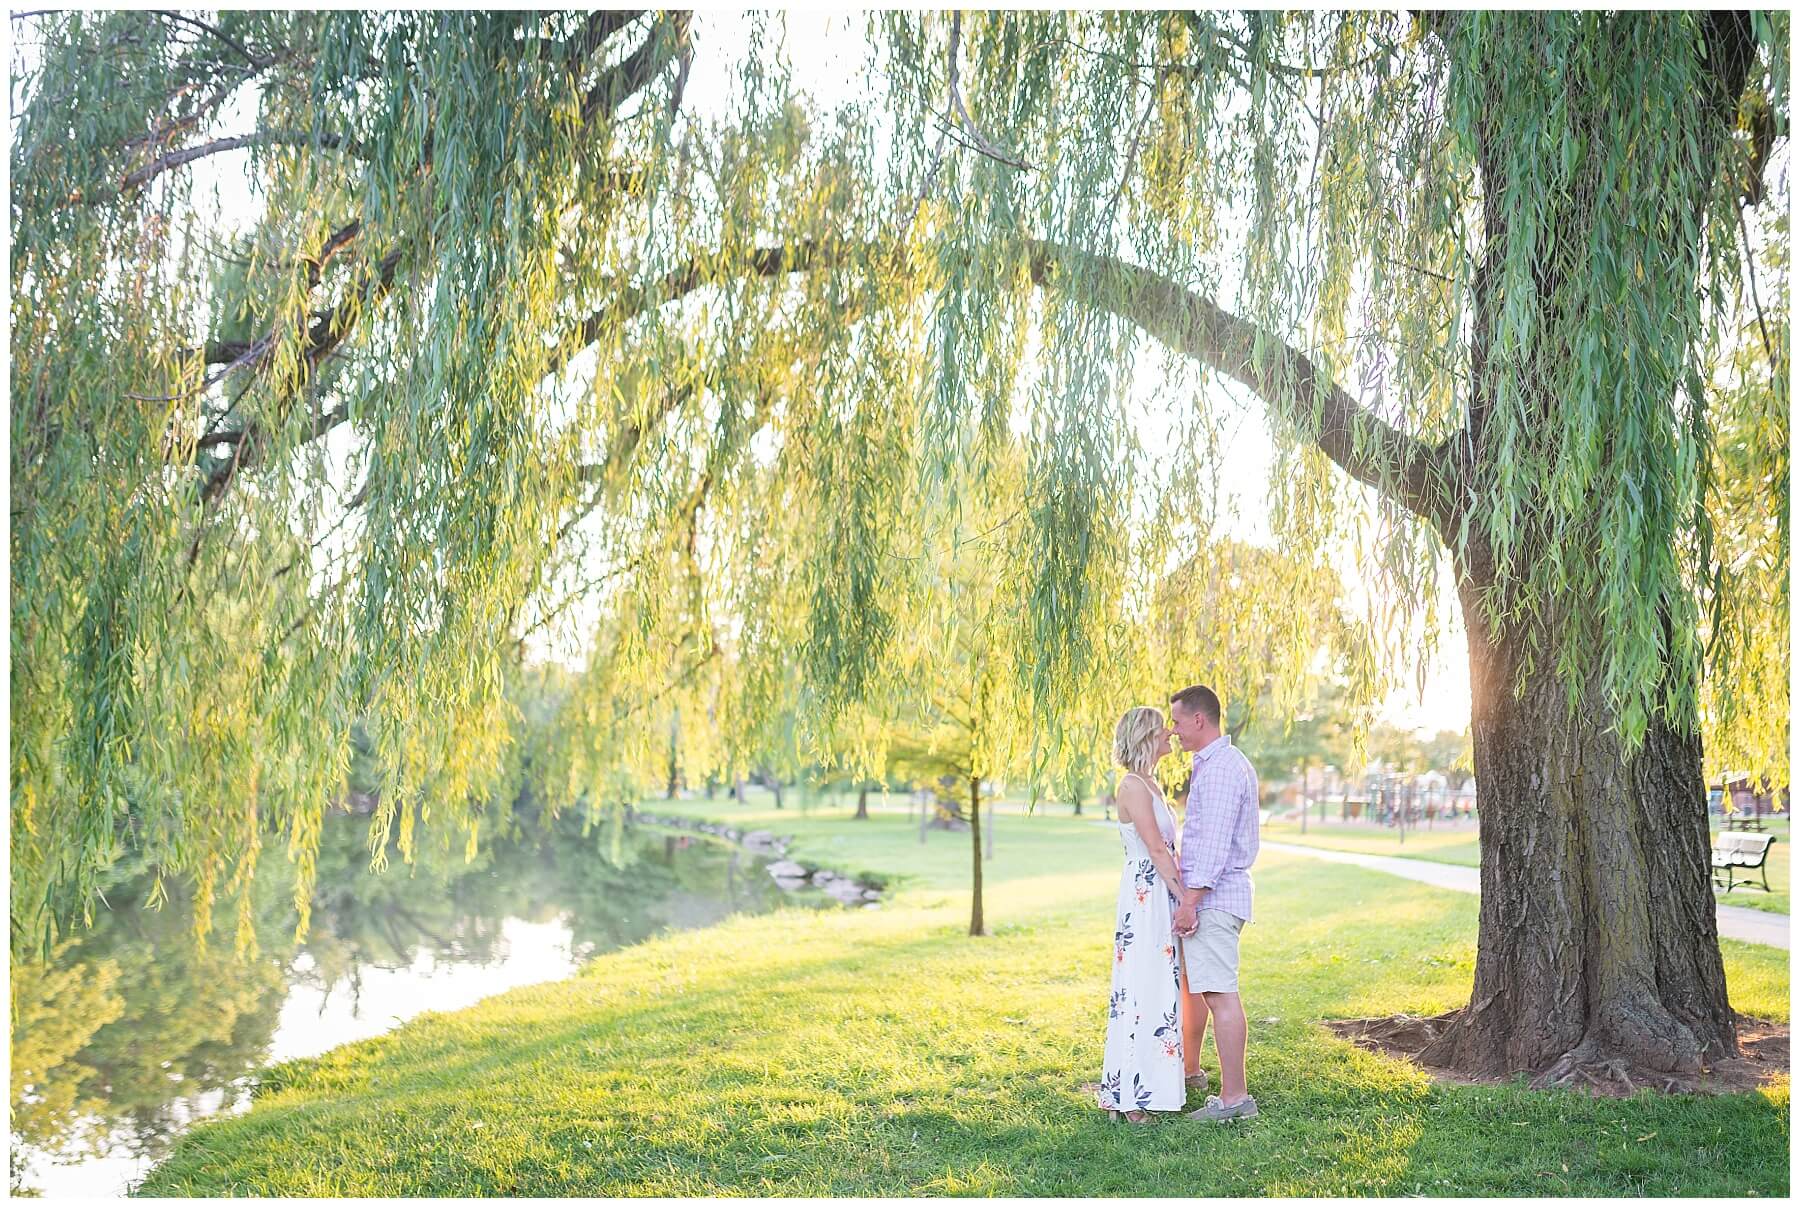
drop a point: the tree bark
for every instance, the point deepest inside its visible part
(862, 803)
(976, 924)
(1598, 945)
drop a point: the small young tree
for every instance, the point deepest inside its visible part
(947, 696)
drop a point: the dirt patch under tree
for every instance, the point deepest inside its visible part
(1762, 1042)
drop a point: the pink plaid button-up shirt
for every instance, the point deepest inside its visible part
(1220, 836)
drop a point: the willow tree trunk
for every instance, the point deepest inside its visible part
(862, 802)
(976, 925)
(1598, 947)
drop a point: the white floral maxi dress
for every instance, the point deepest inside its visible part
(1142, 1069)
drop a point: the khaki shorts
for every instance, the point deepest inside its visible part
(1211, 953)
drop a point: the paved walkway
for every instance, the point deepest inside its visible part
(1735, 922)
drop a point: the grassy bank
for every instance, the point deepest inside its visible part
(1461, 847)
(883, 1052)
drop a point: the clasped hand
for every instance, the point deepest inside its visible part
(1187, 920)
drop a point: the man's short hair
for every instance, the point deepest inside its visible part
(1202, 700)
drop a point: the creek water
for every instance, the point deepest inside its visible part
(130, 1034)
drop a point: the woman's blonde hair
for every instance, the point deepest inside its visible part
(1134, 738)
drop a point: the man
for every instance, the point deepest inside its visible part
(1219, 841)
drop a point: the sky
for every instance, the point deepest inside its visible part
(828, 53)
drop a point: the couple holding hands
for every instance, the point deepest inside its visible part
(1175, 943)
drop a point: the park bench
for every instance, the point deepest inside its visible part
(1736, 850)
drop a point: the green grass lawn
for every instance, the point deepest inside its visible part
(1460, 847)
(884, 1052)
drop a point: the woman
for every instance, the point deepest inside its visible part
(1142, 1070)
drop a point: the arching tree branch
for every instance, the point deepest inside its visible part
(666, 41)
(214, 31)
(1362, 444)
(142, 176)
(628, 300)
(599, 27)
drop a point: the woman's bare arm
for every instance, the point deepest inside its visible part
(1134, 796)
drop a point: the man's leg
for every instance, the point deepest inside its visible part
(1193, 1025)
(1230, 1033)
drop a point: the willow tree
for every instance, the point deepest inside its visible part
(512, 322)
(1477, 266)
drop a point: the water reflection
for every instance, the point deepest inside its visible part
(129, 1034)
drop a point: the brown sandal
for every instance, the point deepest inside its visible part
(1130, 1117)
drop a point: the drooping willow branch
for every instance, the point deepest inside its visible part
(666, 43)
(1368, 448)
(1359, 442)
(1364, 445)
(668, 39)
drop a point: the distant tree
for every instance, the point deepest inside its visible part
(1269, 634)
(1086, 780)
(945, 696)
(1322, 732)
(1450, 752)
(1396, 748)
(674, 782)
